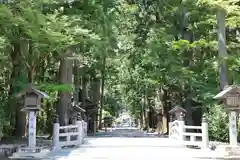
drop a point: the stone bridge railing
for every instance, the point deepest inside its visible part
(187, 134)
(74, 134)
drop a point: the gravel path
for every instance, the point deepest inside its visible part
(116, 144)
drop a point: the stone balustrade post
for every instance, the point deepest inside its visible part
(56, 126)
(205, 138)
(80, 129)
(85, 128)
(170, 126)
(181, 129)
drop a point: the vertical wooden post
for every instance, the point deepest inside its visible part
(205, 138)
(181, 123)
(56, 127)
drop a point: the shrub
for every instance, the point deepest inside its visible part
(218, 123)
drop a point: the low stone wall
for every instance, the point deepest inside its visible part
(10, 146)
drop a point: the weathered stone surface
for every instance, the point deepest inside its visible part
(232, 152)
(128, 132)
(231, 158)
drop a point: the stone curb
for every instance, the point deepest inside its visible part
(209, 158)
(217, 158)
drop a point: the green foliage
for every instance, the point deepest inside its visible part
(49, 29)
(144, 44)
(5, 127)
(106, 114)
(218, 123)
(56, 87)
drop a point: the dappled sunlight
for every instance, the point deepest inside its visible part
(112, 71)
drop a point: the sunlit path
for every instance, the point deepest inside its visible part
(132, 148)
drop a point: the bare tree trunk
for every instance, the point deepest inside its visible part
(102, 92)
(187, 35)
(167, 104)
(146, 111)
(165, 109)
(84, 86)
(95, 88)
(32, 66)
(65, 70)
(159, 108)
(17, 77)
(84, 82)
(141, 118)
(222, 51)
(77, 79)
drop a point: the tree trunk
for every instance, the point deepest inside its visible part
(146, 111)
(166, 107)
(31, 65)
(65, 73)
(222, 51)
(84, 82)
(159, 110)
(95, 88)
(187, 35)
(77, 80)
(141, 118)
(18, 77)
(102, 92)
(84, 87)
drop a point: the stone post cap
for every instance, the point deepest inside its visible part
(204, 118)
(56, 119)
(78, 117)
(181, 116)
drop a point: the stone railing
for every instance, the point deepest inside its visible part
(174, 130)
(178, 131)
(74, 134)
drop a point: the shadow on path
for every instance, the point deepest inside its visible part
(66, 152)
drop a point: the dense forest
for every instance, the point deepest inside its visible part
(145, 56)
